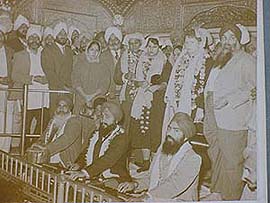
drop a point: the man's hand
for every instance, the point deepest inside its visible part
(253, 94)
(126, 187)
(40, 79)
(220, 103)
(199, 115)
(4, 80)
(74, 167)
(73, 175)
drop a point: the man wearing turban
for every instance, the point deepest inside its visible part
(174, 172)
(48, 38)
(17, 39)
(113, 37)
(6, 55)
(228, 111)
(106, 152)
(27, 70)
(125, 71)
(57, 61)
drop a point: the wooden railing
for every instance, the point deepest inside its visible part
(44, 186)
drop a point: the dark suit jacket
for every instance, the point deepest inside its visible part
(20, 74)
(69, 144)
(9, 57)
(114, 158)
(57, 66)
(14, 42)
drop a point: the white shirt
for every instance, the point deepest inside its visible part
(61, 47)
(3, 63)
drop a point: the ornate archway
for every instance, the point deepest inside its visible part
(216, 17)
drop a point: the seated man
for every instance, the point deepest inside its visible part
(62, 140)
(106, 153)
(174, 172)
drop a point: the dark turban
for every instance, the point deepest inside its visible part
(185, 124)
(232, 27)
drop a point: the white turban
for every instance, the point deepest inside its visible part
(205, 35)
(58, 27)
(245, 37)
(34, 29)
(71, 30)
(113, 30)
(136, 35)
(166, 42)
(3, 29)
(48, 31)
(152, 37)
(20, 21)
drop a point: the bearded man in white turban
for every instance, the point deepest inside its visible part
(48, 38)
(113, 37)
(228, 111)
(57, 61)
(17, 39)
(27, 70)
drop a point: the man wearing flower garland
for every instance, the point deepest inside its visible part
(105, 156)
(228, 111)
(125, 71)
(189, 75)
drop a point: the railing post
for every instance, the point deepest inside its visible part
(61, 189)
(25, 104)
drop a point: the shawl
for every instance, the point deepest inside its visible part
(176, 159)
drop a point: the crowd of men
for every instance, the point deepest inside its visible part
(139, 103)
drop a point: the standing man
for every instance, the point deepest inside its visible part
(17, 39)
(228, 111)
(27, 70)
(125, 72)
(57, 61)
(6, 55)
(113, 37)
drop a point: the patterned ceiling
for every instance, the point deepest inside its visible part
(118, 6)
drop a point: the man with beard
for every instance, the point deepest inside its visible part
(106, 153)
(228, 111)
(17, 39)
(48, 38)
(174, 172)
(27, 70)
(62, 140)
(57, 61)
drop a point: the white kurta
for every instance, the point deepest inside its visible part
(37, 100)
(4, 141)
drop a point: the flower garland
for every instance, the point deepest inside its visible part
(133, 59)
(179, 76)
(198, 82)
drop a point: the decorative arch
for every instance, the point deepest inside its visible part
(216, 17)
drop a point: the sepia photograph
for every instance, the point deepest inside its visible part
(132, 101)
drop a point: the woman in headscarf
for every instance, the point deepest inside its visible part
(147, 111)
(90, 77)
